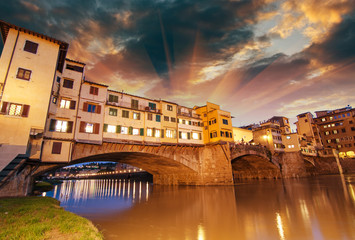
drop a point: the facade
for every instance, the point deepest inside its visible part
(291, 142)
(241, 135)
(189, 126)
(29, 62)
(337, 130)
(217, 124)
(269, 135)
(283, 122)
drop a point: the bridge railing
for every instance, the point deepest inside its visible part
(247, 147)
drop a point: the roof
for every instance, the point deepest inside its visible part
(5, 27)
(99, 84)
(74, 61)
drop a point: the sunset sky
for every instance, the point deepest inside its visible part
(257, 59)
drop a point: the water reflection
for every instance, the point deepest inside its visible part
(316, 208)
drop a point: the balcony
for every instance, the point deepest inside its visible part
(191, 115)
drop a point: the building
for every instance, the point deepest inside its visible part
(337, 130)
(283, 122)
(269, 135)
(29, 63)
(217, 123)
(241, 135)
(189, 126)
(291, 142)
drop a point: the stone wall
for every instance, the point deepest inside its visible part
(19, 184)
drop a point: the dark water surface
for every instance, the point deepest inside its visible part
(308, 208)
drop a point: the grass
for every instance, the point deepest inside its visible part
(42, 218)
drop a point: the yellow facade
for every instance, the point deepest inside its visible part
(241, 135)
(217, 123)
(28, 67)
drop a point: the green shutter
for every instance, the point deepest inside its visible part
(188, 135)
(105, 127)
(153, 132)
(180, 134)
(130, 130)
(162, 133)
(118, 129)
(142, 131)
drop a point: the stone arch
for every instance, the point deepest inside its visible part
(164, 170)
(254, 166)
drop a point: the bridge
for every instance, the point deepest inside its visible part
(211, 164)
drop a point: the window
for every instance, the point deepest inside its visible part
(135, 131)
(157, 118)
(91, 108)
(68, 104)
(113, 98)
(291, 146)
(89, 127)
(149, 132)
(335, 131)
(169, 107)
(134, 104)
(152, 106)
(136, 116)
(125, 114)
(182, 135)
(166, 118)
(180, 120)
(24, 74)
(75, 68)
(30, 47)
(173, 119)
(68, 83)
(124, 130)
(112, 112)
(213, 134)
(111, 128)
(157, 133)
(213, 121)
(329, 141)
(225, 121)
(326, 133)
(170, 133)
(348, 114)
(288, 137)
(58, 79)
(323, 119)
(183, 121)
(94, 90)
(343, 130)
(14, 109)
(150, 116)
(60, 126)
(330, 118)
(56, 148)
(195, 136)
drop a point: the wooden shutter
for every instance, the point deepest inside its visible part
(96, 91)
(188, 135)
(4, 107)
(85, 107)
(52, 125)
(72, 104)
(96, 128)
(25, 111)
(199, 136)
(162, 133)
(82, 127)
(56, 147)
(70, 127)
(105, 127)
(130, 130)
(180, 134)
(142, 131)
(153, 132)
(98, 109)
(118, 129)
(91, 90)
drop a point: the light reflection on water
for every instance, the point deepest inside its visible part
(315, 208)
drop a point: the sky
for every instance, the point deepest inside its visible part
(256, 59)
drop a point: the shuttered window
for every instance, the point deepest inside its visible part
(31, 47)
(134, 104)
(68, 83)
(94, 90)
(56, 148)
(24, 74)
(14, 109)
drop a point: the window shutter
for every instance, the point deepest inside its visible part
(4, 107)
(105, 127)
(138, 116)
(118, 129)
(52, 125)
(96, 128)
(142, 131)
(153, 132)
(91, 90)
(72, 104)
(188, 135)
(211, 135)
(174, 134)
(189, 122)
(56, 147)
(85, 107)
(98, 109)
(96, 91)
(70, 127)
(180, 134)
(199, 136)
(130, 130)
(162, 133)
(82, 127)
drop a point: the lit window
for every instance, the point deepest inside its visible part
(170, 134)
(149, 132)
(112, 111)
(157, 133)
(323, 119)
(135, 131)
(15, 109)
(124, 130)
(330, 118)
(111, 128)
(136, 116)
(180, 120)
(61, 126)
(183, 134)
(195, 136)
(169, 107)
(291, 146)
(65, 103)
(89, 128)
(288, 137)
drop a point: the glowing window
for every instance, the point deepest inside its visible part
(89, 128)
(135, 131)
(15, 109)
(124, 130)
(149, 132)
(157, 133)
(61, 126)
(195, 136)
(65, 103)
(111, 128)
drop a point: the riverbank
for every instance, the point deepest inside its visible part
(42, 218)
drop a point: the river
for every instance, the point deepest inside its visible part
(307, 208)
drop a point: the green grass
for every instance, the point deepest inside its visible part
(42, 218)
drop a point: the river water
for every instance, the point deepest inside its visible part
(307, 208)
